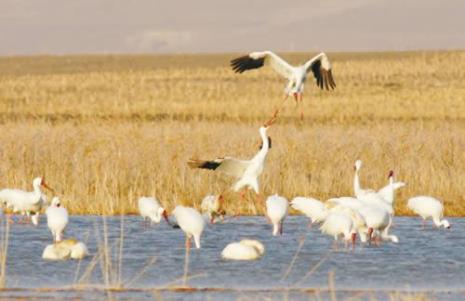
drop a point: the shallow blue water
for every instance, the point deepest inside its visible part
(424, 260)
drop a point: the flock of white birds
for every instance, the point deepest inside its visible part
(368, 214)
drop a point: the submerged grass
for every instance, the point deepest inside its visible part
(106, 130)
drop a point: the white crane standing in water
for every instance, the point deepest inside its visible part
(57, 219)
(191, 222)
(26, 202)
(319, 65)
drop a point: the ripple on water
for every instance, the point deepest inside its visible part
(424, 259)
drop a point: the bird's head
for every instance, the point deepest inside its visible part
(391, 174)
(56, 202)
(269, 143)
(358, 165)
(40, 182)
(446, 224)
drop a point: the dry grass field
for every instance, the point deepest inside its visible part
(105, 130)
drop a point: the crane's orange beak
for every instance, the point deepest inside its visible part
(271, 120)
(43, 184)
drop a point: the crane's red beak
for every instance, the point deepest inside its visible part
(43, 184)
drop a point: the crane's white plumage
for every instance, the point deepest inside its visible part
(385, 192)
(358, 191)
(376, 210)
(246, 171)
(429, 207)
(212, 206)
(319, 65)
(246, 249)
(314, 209)
(150, 208)
(276, 211)
(339, 223)
(26, 202)
(191, 222)
(378, 221)
(65, 249)
(57, 219)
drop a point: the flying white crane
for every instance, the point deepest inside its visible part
(150, 209)
(191, 222)
(57, 219)
(246, 249)
(26, 202)
(319, 65)
(276, 211)
(212, 206)
(429, 207)
(246, 171)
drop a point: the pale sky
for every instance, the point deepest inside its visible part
(190, 26)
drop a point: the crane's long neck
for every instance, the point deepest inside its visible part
(265, 145)
(390, 192)
(357, 188)
(37, 192)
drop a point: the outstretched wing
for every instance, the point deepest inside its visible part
(256, 60)
(384, 192)
(230, 166)
(321, 68)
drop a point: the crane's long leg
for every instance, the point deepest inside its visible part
(10, 219)
(242, 195)
(300, 97)
(310, 224)
(186, 260)
(255, 211)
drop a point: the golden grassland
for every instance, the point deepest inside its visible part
(106, 130)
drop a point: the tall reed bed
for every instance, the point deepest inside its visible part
(106, 130)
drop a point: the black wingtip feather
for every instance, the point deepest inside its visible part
(245, 62)
(203, 164)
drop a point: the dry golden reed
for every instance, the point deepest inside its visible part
(105, 130)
